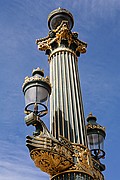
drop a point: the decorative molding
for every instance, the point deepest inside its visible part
(62, 37)
(36, 78)
(95, 126)
(50, 155)
(59, 156)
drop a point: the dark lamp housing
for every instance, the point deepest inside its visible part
(56, 17)
(95, 136)
(36, 90)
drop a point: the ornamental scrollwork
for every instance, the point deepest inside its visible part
(62, 37)
(55, 156)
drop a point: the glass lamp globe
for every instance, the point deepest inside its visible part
(36, 90)
(95, 136)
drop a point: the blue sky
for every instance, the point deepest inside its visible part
(21, 23)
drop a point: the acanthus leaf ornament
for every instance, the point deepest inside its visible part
(62, 36)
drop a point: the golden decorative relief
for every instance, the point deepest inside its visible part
(51, 156)
(36, 78)
(62, 33)
(83, 159)
(96, 126)
(56, 156)
(43, 43)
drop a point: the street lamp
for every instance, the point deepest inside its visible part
(95, 136)
(36, 91)
(68, 151)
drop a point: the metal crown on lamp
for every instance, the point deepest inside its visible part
(36, 91)
(95, 135)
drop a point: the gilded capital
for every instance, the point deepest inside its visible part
(60, 23)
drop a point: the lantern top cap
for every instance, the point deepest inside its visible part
(91, 118)
(92, 124)
(38, 71)
(37, 76)
(57, 16)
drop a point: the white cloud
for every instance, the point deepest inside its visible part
(100, 7)
(15, 164)
(17, 170)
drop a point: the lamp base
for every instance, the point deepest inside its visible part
(72, 176)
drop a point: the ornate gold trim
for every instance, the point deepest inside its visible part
(50, 155)
(35, 78)
(59, 156)
(90, 126)
(61, 37)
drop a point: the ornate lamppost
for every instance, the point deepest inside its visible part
(71, 150)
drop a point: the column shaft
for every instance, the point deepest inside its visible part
(66, 108)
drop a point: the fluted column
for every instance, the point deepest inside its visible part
(65, 156)
(66, 108)
(63, 48)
